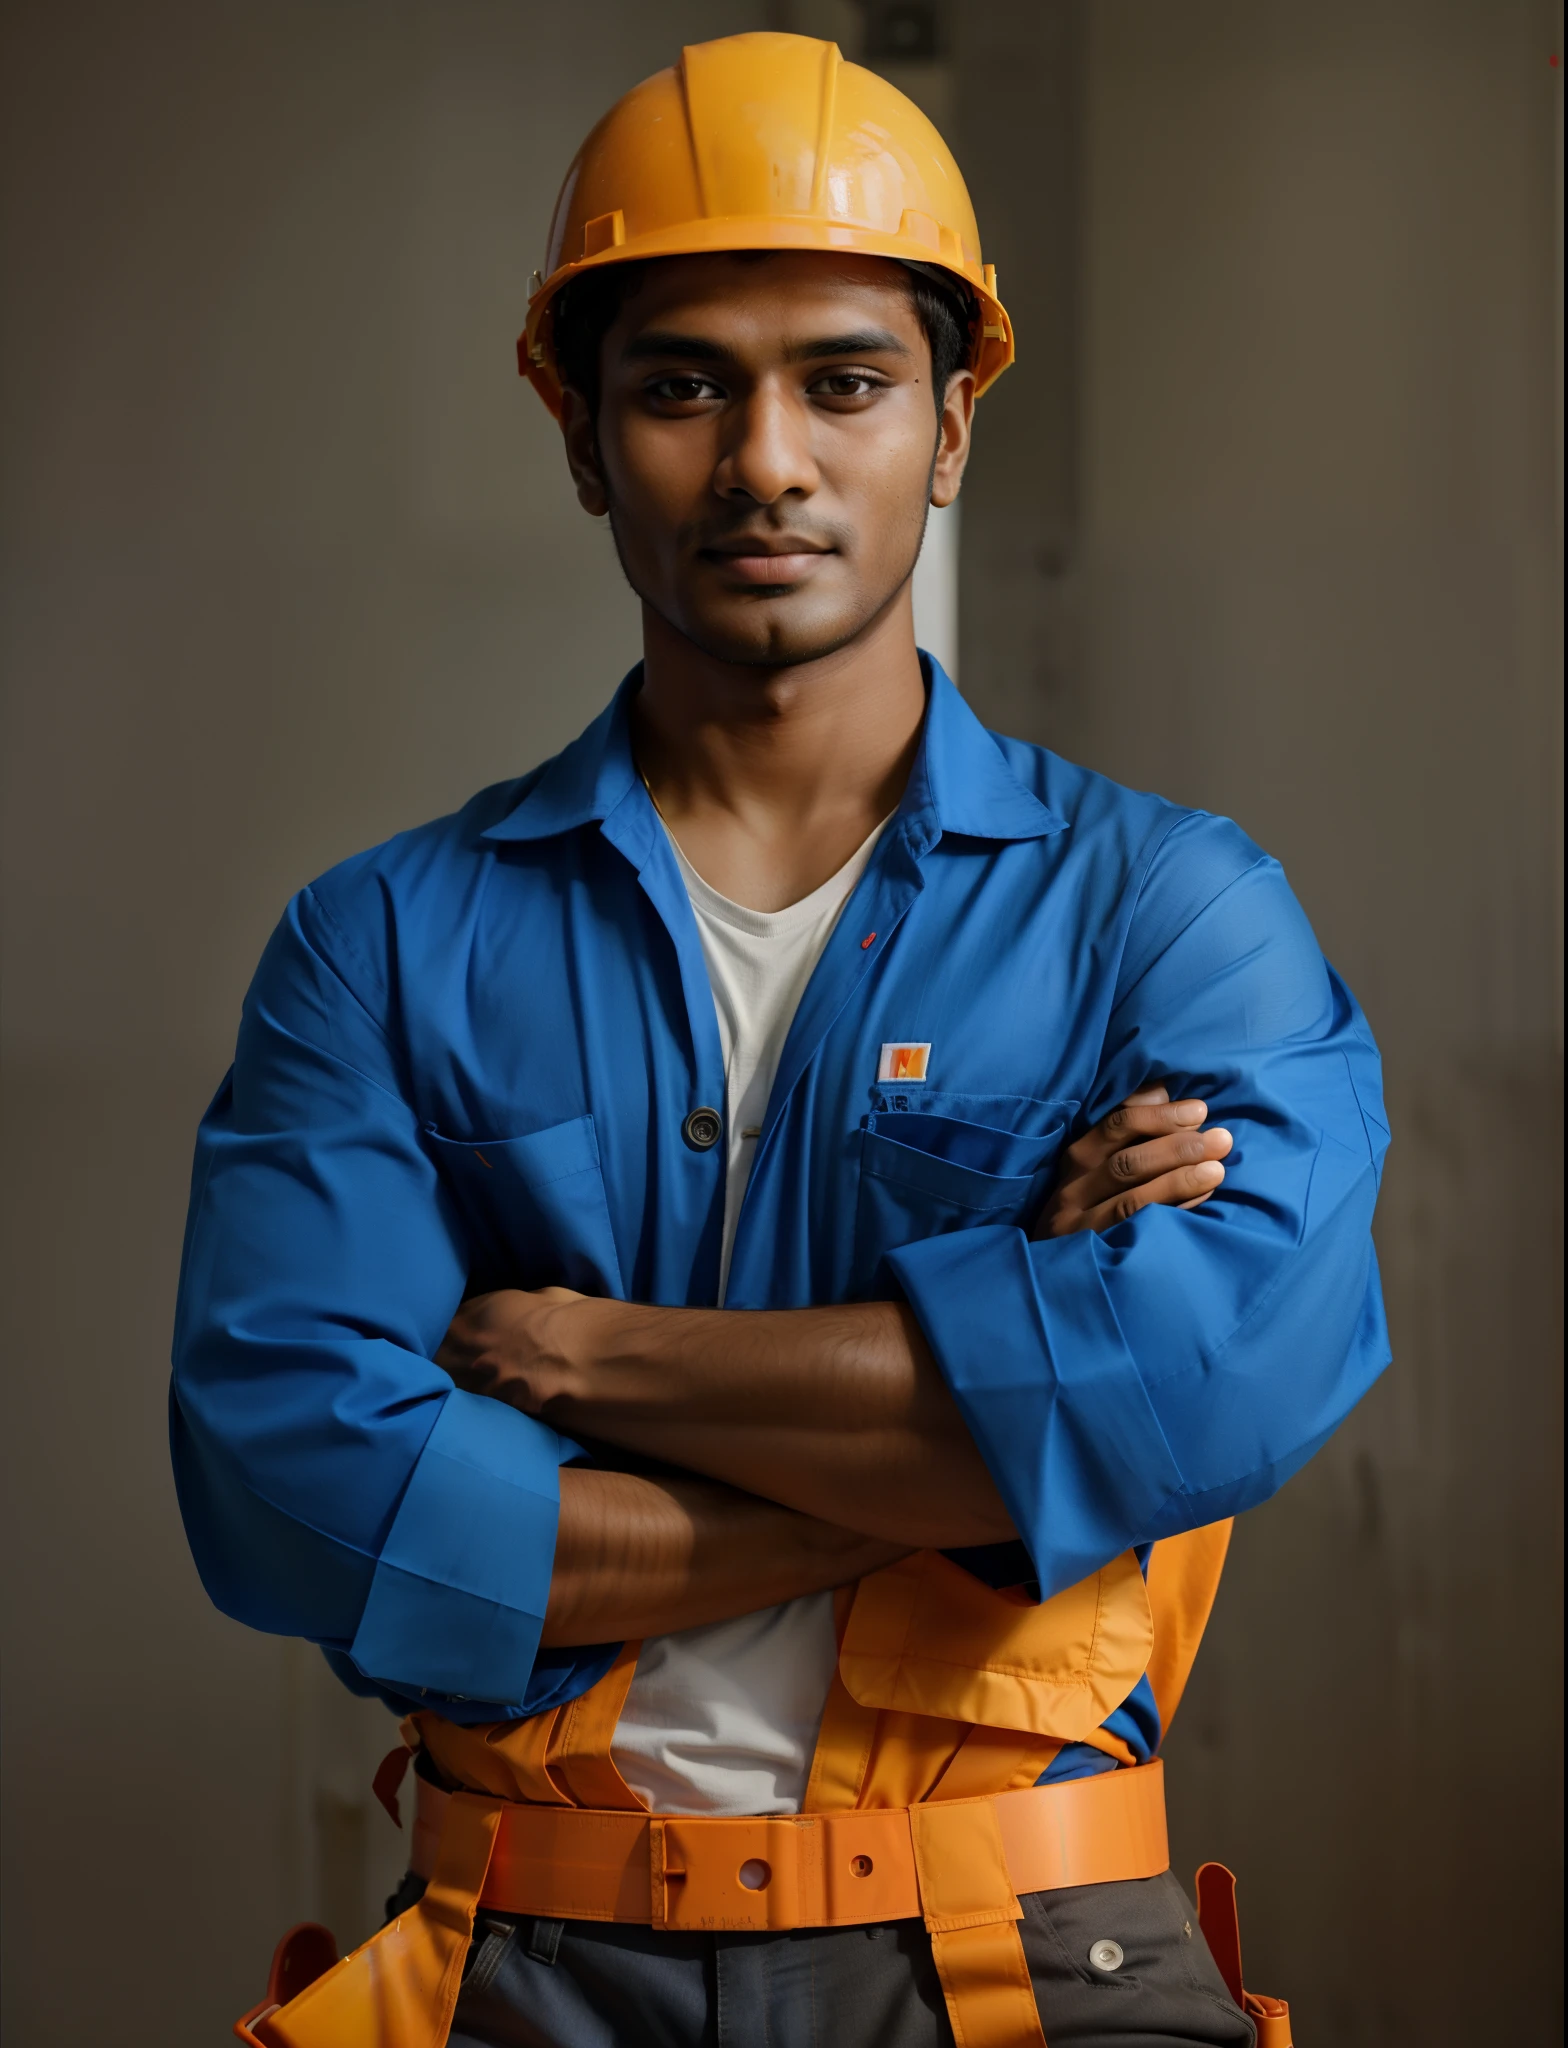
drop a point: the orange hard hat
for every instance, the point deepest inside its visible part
(763, 142)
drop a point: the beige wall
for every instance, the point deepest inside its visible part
(290, 562)
(1292, 555)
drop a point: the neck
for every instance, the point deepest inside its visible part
(770, 778)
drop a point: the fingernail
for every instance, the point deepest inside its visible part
(1219, 1131)
(1210, 1171)
(1192, 1112)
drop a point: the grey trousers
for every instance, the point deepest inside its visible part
(580, 1984)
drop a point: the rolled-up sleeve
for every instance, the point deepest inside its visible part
(1180, 1367)
(334, 1483)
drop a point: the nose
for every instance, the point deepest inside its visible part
(767, 453)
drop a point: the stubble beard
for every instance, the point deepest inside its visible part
(778, 651)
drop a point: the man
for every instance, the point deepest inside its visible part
(672, 1302)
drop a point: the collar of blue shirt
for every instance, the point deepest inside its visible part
(961, 781)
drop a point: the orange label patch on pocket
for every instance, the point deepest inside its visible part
(905, 1062)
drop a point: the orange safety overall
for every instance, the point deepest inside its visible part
(949, 1701)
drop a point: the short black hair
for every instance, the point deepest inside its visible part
(586, 309)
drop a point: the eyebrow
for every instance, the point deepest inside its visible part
(658, 342)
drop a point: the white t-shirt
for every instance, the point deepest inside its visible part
(724, 1719)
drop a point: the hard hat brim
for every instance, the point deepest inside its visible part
(993, 334)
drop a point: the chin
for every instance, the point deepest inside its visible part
(773, 632)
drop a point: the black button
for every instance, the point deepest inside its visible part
(702, 1129)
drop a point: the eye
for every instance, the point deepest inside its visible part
(685, 388)
(847, 384)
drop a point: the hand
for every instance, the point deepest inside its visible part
(514, 1346)
(1149, 1150)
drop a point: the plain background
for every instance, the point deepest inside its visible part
(1267, 517)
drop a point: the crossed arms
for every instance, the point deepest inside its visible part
(1116, 1385)
(827, 1441)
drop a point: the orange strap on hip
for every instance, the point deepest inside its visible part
(399, 1989)
(1216, 1892)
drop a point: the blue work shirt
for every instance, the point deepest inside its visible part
(468, 1059)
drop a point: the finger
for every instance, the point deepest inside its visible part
(1091, 1174)
(1184, 1187)
(1153, 1156)
(1130, 1122)
(1141, 1096)
(1135, 1164)
(1186, 1184)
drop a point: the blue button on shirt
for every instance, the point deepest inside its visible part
(465, 1062)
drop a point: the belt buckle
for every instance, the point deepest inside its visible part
(745, 1876)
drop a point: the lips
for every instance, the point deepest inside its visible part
(767, 562)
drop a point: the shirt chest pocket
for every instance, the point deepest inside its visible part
(534, 1208)
(931, 1163)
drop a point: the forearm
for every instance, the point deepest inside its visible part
(840, 1413)
(637, 1557)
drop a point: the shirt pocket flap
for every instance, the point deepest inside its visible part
(925, 1637)
(1005, 1148)
(535, 1207)
(930, 1163)
(948, 1180)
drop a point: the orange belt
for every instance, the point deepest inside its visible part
(946, 1861)
(959, 1865)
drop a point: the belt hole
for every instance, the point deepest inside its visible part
(862, 1866)
(755, 1875)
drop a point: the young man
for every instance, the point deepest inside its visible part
(672, 1302)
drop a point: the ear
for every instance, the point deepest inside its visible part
(952, 448)
(582, 453)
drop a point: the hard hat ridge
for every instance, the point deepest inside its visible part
(756, 142)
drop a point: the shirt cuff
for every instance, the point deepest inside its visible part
(458, 1599)
(1027, 1339)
